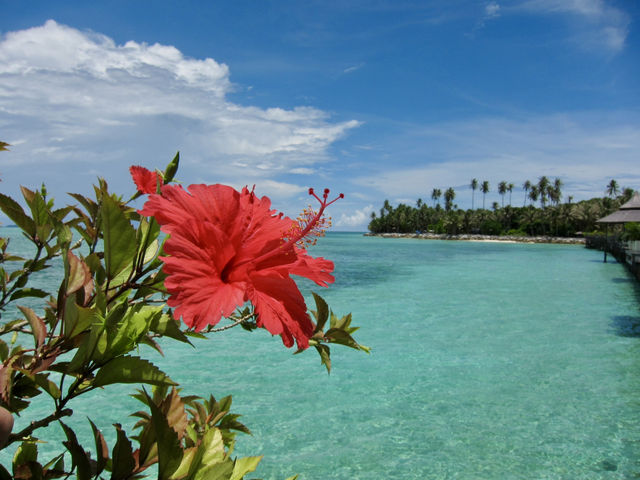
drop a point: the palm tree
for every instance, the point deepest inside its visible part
(613, 189)
(502, 190)
(449, 195)
(510, 188)
(526, 186)
(555, 192)
(543, 190)
(436, 193)
(533, 193)
(484, 189)
(474, 187)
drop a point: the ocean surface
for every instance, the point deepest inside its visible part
(488, 361)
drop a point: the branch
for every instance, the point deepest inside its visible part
(234, 324)
(25, 432)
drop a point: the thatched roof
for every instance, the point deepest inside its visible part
(629, 212)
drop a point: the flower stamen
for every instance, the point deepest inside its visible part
(303, 229)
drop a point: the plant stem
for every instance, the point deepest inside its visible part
(25, 432)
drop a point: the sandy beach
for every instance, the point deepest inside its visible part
(483, 238)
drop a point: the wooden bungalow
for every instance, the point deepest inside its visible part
(629, 212)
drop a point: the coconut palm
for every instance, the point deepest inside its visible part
(510, 188)
(436, 193)
(533, 193)
(543, 190)
(526, 186)
(502, 190)
(474, 187)
(484, 189)
(555, 192)
(449, 195)
(613, 189)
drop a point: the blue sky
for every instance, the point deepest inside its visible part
(375, 99)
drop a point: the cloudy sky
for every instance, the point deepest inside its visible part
(379, 99)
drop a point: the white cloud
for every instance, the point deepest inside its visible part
(353, 68)
(492, 10)
(358, 219)
(584, 150)
(74, 102)
(602, 24)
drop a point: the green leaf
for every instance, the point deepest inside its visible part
(77, 319)
(25, 460)
(26, 452)
(39, 212)
(79, 457)
(169, 449)
(28, 292)
(119, 237)
(209, 455)
(131, 370)
(47, 385)
(14, 211)
(325, 356)
(123, 461)
(166, 326)
(38, 328)
(341, 337)
(90, 206)
(102, 451)
(79, 274)
(171, 169)
(242, 466)
(322, 312)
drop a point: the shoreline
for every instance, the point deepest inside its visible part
(483, 238)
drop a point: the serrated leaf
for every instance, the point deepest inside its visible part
(245, 465)
(77, 319)
(39, 212)
(14, 211)
(102, 451)
(210, 455)
(79, 457)
(28, 292)
(38, 328)
(123, 462)
(90, 206)
(322, 312)
(79, 274)
(166, 326)
(131, 370)
(336, 335)
(119, 237)
(325, 356)
(48, 386)
(169, 448)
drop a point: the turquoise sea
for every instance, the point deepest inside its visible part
(489, 361)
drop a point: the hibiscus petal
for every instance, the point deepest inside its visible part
(281, 309)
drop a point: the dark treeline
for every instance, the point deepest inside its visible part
(551, 217)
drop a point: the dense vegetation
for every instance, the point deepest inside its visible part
(552, 217)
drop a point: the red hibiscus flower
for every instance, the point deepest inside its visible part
(146, 181)
(227, 248)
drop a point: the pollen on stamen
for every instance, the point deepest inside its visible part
(318, 229)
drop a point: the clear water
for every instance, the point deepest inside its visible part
(489, 361)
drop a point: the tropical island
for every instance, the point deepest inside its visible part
(556, 219)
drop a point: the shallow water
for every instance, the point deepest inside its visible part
(489, 361)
